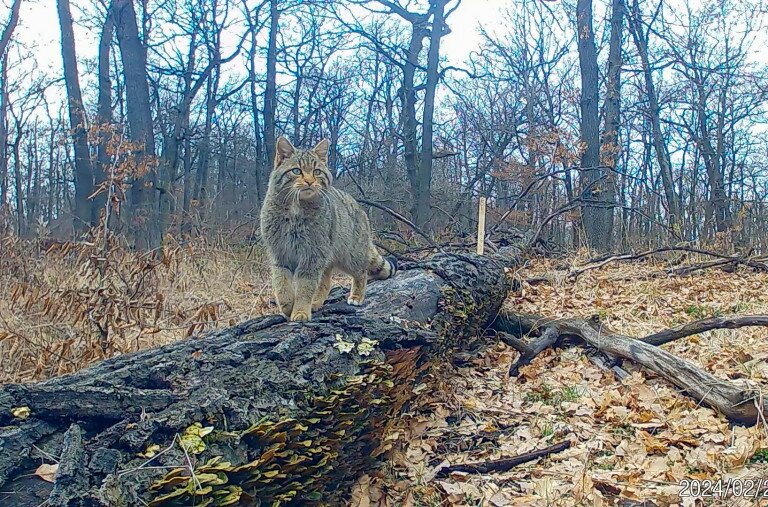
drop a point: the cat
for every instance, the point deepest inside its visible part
(311, 229)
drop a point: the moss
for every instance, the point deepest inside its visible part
(761, 456)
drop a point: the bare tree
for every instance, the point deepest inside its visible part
(77, 119)
(5, 40)
(595, 190)
(134, 59)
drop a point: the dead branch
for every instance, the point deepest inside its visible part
(528, 351)
(701, 326)
(505, 464)
(401, 218)
(724, 259)
(737, 403)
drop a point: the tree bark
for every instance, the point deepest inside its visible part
(103, 113)
(134, 57)
(77, 120)
(270, 91)
(424, 178)
(297, 410)
(408, 121)
(5, 40)
(609, 144)
(594, 187)
(262, 168)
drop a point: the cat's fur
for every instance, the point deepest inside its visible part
(311, 229)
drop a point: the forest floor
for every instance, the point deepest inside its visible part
(631, 440)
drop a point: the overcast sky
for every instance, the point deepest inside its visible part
(39, 28)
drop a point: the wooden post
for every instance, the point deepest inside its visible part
(481, 227)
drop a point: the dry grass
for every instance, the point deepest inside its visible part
(75, 304)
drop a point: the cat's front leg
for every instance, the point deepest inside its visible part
(306, 282)
(282, 283)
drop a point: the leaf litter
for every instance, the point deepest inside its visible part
(633, 440)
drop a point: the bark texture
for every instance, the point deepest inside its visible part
(297, 410)
(595, 189)
(133, 55)
(77, 121)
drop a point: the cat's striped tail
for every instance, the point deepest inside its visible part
(381, 268)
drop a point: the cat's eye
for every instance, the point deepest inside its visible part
(318, 172)
(296, 171)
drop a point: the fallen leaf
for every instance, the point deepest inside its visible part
(47, 472)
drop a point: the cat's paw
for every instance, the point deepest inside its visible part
(286, 310)
(300, 317)
(356, 301)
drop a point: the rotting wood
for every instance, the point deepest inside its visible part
(295, 410)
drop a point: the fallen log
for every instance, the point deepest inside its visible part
(740, 404)
(265, 412)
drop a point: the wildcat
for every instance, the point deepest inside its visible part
(312, 229)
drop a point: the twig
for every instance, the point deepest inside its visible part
(726, 259)
(503, 465)
(401, 218)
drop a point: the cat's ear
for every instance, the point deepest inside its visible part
(283, 150)
(321, 150)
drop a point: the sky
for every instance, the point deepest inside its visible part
(39, 29)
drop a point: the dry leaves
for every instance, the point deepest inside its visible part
(634, 439)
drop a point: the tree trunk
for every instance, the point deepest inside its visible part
(103, 114)
(262, 169)
(711, 155)
(409, 123)
(424, 188)
(77, 121)
(610, 146)
(204, 150)
(134, 57)
(297, 410)
(270, 91)
(5, 39)
(594, 185)
(21, 198)
(4, 181)
(654, 112)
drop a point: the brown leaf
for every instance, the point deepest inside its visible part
(47, 472)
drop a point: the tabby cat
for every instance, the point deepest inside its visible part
(311, 229)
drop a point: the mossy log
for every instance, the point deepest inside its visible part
(263, 413)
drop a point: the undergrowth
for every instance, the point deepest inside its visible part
(64, 305)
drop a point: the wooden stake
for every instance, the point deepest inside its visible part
(481, 227)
